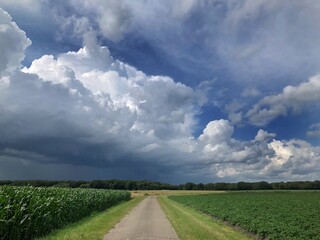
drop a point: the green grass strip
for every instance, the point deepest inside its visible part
(192, 225)
(95, 226)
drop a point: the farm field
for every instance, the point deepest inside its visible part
(272, 215)
(30, 212)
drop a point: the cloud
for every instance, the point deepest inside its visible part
(314, 130)
(218, 148)
(85, 114)
(234, 111)
(263, 35)
(293, 158)
(291, 99)
(112, 17)
(263, 135)
(13, 43)
(32, 6)
(85, 109)
(127, 100)
(217, 131)
(250, 92)
(278, 160)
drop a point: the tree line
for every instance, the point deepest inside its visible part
(150, 185)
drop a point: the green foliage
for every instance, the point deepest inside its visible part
(148, 185)
(29, 212)
(98, 184)
(271, 215)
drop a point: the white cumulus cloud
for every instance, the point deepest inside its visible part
(13, 42)
(291, 99)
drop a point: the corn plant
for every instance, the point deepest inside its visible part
(30, 212)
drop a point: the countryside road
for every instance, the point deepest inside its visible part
(145, 221)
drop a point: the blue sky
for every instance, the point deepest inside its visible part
(173, 91)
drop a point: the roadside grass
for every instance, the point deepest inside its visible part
(95, 226)
(192, 225)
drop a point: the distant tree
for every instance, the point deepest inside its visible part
(119, 185)
(148, 185)
(5, 182)
(316, 185)
(84, 185)
(189, 186)
(62, 185)
(131, 185)
(244, 186)
(263, 185)
(99, 184)
(221, 186)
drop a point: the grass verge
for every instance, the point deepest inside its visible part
(192, 225)
(95, 226)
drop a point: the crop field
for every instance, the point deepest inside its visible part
(271, 215)
(30, 212)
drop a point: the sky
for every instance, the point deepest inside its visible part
(170, 91)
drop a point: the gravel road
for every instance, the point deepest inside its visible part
(145, 221)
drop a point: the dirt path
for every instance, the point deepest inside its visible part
(146, 221)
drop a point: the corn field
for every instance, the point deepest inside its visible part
(30, 212)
